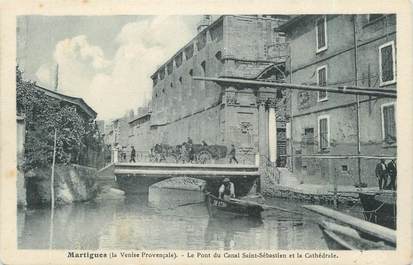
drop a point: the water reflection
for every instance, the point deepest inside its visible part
(166, 219)
(223, 233)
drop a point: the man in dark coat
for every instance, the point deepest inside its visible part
(132, 155)
(381, 174)
(232, 155)
(190, 148)
(392, 172)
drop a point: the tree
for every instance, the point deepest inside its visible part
(43, 114)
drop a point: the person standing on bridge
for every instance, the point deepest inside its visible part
(132, 155)
(190, 150)
(232, 155)
(227, 189)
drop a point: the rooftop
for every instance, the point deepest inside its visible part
(73, 100)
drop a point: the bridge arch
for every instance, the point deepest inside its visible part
(135, 178)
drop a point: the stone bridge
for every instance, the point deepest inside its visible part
(134, 178)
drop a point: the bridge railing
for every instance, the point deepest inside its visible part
(245, 156)
(125, 156)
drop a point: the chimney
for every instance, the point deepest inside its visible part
(205, 22)
(56, 81)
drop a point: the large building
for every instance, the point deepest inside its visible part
(247, 47)
(332, 136)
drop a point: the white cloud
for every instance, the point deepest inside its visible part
(111, 86)
(79, 49)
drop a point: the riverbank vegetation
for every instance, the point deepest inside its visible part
(78, 140)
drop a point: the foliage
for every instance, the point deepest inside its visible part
(43, 114)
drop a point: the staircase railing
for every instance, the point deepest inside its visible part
(269, 169)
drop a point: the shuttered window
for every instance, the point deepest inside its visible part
(387, 63)
(321, 34)
(389, 123)
(323, 131)
(322, 81)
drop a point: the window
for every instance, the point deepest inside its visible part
(323, 132)
(201, 41)
(279, 94)
(387, 63)
(388, 118)
(203, 66)
(218, 55)
(189, 51)
(155, 79)
(169, 67)
(322, 81)
(321, 34)
(178, 60)
(162, 73)
(309, 136)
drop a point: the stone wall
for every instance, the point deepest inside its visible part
(73, 183)
(204, 125)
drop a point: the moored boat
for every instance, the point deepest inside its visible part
(380, 207)
(366, 230)
(217, 206)
(339, 237)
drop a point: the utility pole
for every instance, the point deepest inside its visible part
(52, 192)
(56, 80)
(357, 99)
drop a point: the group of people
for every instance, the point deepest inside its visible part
(123, 154)
(184, 153)
(386, 174)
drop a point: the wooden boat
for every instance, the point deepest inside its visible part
(339, 237)
(231, 207)
(366, 230)
(380, 207)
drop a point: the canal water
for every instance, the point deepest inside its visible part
(165, 219)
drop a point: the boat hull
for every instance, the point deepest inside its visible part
(380, 208)
(218, 207)
(339, 237)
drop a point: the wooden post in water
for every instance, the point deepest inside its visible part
(52, 192)
(335, 188)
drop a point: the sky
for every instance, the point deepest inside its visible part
(106, 60)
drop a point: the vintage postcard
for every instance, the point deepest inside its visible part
(182, 132)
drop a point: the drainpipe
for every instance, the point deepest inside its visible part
(357, 98)
(291, 114)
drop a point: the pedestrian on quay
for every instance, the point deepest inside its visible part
(132, 154)
(392, 172)
(232, 155)
(381, 174)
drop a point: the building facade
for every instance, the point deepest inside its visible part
(247, 47)
(337, 137)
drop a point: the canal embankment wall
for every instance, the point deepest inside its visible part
(72, 183)
(289, 187)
